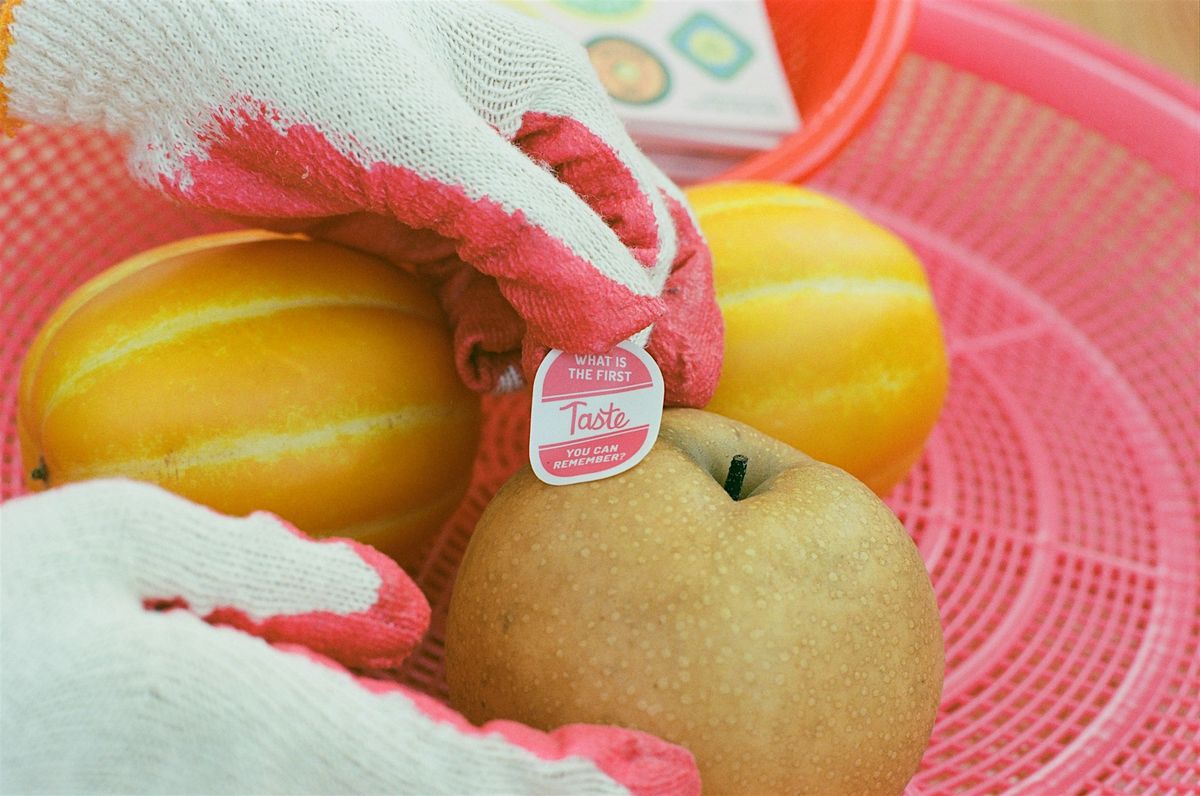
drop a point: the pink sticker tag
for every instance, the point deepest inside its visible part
(594, 415)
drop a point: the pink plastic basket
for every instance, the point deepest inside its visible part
(1052, 187)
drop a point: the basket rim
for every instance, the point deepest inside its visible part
(849, 109)
(1139, 105)
(1011, 19)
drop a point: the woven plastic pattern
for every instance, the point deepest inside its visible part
(1057, 504)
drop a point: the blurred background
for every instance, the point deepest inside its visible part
(1163, 32)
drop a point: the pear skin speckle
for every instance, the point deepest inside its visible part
(789, 639)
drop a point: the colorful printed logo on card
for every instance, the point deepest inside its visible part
(629, 71)
(608, 10)
(711, 45)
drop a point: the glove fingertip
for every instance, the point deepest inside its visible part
(621, 326)
(689, 342)
(385, 634)
(643, 763)
(379, 636)
(598, 174)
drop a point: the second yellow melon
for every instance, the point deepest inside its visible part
(833, 343)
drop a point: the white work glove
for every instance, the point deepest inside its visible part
(151, 645)
(466, 142)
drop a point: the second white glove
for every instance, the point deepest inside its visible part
(150, 645)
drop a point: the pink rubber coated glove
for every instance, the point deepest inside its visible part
(153, 645)
(460, 139)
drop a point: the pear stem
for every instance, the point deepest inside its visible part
(737, 474)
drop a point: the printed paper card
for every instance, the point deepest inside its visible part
(700, 72)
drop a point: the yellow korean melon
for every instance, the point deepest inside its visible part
(253, 371)
(833, 342)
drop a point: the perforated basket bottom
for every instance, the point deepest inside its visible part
(1056, 503)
